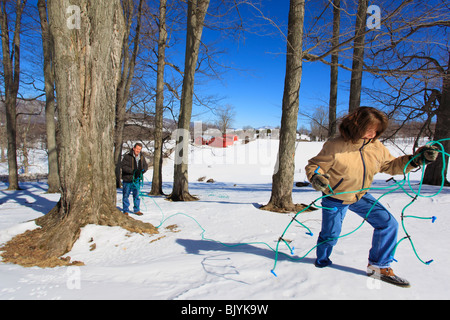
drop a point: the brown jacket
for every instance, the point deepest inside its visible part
(352, 166)
(129, 165)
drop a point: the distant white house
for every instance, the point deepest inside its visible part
(267, 133)
(303, 137)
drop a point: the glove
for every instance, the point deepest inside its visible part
(137, 175)
(426, 154)
(320, 181)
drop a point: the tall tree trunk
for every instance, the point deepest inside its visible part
(283, 179)
(433, 172)
(3, 141)
(87, 70)
(196, 16)
(11, 73)
(334, 69)
(159, 107)
(358, 56)
(53, 175)
(123, 89)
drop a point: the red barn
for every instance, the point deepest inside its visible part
(222, 142)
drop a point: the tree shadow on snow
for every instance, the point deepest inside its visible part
(27, 196)
(196, 246)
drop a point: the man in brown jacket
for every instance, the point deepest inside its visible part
(133, 167)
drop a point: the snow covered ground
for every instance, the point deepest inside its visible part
(222, 247)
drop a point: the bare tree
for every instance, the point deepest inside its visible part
(411, 56)
(195, 21)
(159, 106)
(53, 175)
(334, 69)
(11, 73)
(3, 139)
(128, 61)
(87, 71)
(283, 178)
(436, 173)
(358, 56)
(348, 37)
(319, 123)
(225, 118)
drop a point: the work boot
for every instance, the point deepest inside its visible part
(386, 275)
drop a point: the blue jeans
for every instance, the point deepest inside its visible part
(128, 188)
(385, 227)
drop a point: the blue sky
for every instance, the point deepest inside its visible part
(255, 81)
(256, 90)
(254, 84)
(256, 93)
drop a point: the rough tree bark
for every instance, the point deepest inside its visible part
(87, 69)
(433, 172)
(283, 178)
(358, 56)
(334, 69)
(196, 16)
(53, 175)
(159, 106)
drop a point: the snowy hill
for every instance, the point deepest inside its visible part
(222, 247)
